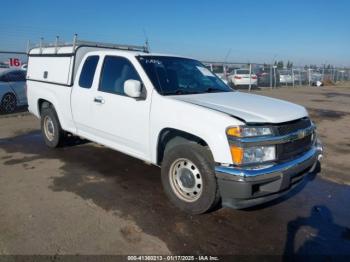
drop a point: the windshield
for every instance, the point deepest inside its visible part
(180, 76)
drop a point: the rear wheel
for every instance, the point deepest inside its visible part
(8, 103)
(188, 178)
(53, 134)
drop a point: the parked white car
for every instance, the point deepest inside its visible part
(242, 77)
(12, 89)
(315, 77)
(213, 144)
(285, 77)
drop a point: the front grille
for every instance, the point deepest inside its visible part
(297, 147)
(294, 126)
(294, 148)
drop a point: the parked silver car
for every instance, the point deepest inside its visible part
(12, 89)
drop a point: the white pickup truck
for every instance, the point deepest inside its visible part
(214, 145)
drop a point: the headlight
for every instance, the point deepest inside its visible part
(252, 155)
(246, 131)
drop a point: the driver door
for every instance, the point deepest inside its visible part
(120, 121)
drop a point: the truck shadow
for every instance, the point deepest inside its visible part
(131, 189)
(317, 227)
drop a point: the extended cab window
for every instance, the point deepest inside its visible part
(88, 72)
(115, 71)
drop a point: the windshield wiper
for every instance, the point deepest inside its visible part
(213, 89)
(180, 92)
(186, 92)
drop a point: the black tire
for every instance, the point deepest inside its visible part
(8, 103)
(202, 159)
(58, 134)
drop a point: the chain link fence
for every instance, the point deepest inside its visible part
(252, 75)
(248, 75)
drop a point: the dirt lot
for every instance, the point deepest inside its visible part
(87, 199)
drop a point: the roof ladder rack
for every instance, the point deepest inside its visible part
(76, 43)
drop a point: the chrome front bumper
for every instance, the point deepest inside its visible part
(241, 188)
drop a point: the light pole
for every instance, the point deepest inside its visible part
(225, 63)
(250, 76)
(324, 66)
(271, 68)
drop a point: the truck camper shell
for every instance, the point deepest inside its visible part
(57, 63)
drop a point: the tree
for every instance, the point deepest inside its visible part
(289, 65)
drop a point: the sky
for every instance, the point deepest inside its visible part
(255, 31)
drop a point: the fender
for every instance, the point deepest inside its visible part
(171, 137)
(59, 97)
(208, 125)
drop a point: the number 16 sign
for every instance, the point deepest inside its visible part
(14, 62)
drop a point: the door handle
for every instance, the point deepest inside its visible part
(99, 100)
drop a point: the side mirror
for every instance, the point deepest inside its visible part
(132, 88)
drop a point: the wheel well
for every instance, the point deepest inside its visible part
(42, 103)
(11, 93)
(170, 137)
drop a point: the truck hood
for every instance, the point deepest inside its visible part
(251, 108)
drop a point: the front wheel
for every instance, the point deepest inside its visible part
(188, 178)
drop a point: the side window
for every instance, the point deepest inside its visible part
(16, 76)
(22, 76)
(115, 71)
(88, 71)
